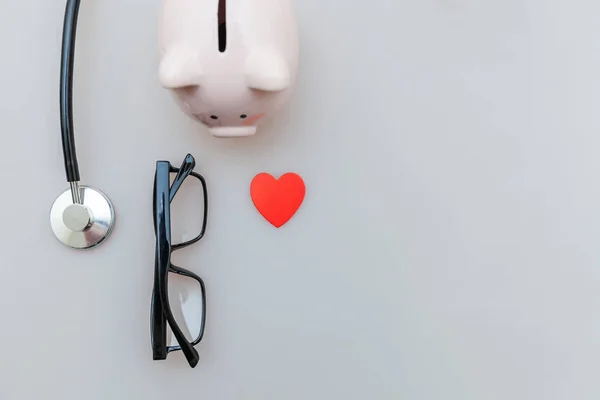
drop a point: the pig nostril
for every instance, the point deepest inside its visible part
(214, 117)
(243, 116)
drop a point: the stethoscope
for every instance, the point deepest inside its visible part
(82, 217)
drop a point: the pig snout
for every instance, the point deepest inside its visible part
(232, 131)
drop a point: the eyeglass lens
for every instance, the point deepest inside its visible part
(186, 297)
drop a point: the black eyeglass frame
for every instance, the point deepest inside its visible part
(161, 314)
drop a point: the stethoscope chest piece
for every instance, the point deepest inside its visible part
(82, 221)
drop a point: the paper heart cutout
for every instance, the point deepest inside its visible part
(277, 200)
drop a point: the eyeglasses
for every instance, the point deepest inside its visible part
(162, 315)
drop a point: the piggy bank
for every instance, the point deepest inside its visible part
(230, 64)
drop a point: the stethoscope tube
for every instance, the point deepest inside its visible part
(82, 216)
(66, 90)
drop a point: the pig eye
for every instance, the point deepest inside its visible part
(214, 117)
(243, 116)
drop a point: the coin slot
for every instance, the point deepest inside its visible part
(222, 18)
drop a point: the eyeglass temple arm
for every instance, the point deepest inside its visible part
(159, 322)
(186, 168)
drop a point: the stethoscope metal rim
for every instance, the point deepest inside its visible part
(67, 218)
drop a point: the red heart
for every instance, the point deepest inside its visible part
(277, 199)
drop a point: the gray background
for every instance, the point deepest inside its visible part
(447, 248)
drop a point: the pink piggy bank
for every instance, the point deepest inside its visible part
(229, 63)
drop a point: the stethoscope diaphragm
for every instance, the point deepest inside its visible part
(85, 223)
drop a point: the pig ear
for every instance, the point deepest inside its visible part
(179, 67)
(267, 70)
